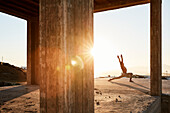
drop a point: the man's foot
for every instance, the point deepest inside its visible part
(109, 80)
(130, 81)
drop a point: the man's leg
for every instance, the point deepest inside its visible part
(130, 75)
(115, 78)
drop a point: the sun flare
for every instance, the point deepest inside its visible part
(105, 56)
(92, 52)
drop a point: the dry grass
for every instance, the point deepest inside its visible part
(10, 73)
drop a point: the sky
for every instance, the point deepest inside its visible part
(126, 31)
(13, 40)
(123, 31)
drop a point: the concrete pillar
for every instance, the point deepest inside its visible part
(156, 47)
(33, 51)
(28, 52)
(66, 65)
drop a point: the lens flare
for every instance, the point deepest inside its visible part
(77, 62)
(73, 62)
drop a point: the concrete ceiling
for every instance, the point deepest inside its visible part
(27, 9)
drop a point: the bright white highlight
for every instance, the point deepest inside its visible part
(73, 62)
(92, 52)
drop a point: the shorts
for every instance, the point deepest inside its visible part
(126, 74)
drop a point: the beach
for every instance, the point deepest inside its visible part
(117, 96)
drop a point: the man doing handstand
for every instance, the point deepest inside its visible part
(124, 70)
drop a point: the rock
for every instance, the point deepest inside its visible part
(96, 89)
(28, 98)
(12, 101)
(6, 109)
(116, 100)
(98, 103)
(97, 92)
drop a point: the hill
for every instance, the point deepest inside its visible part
(11, 73)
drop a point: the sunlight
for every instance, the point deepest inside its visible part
(92, 52)
(73, 62)
(77, 62)
(105, 57)
(103, 49)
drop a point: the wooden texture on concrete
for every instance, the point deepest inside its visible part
(103, 5)
(28, 52)
(33, 76)
(21, 8)
(155, 48)
(66, 35)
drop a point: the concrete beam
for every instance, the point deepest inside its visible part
(104, 5)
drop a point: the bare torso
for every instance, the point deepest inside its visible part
(124, 70)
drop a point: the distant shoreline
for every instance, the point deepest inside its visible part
(135, 76)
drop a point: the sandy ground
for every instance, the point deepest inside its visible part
(19, 99)
(118, 96)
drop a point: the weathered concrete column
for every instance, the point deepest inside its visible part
(66, 39)
(156, 48)
(33, 51)
(28, 52)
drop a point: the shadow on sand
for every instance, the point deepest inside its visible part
(11, 93)
(140, 85)
(146, 90)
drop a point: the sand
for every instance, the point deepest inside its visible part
(118, 96)
(19, 99)
(121, 96)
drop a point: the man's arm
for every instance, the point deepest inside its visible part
(118, 58)
(121, 57)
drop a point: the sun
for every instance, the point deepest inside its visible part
(104, 54)
(92, 52)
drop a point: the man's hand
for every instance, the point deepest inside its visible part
(121, 56)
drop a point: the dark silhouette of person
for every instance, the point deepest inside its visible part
(124, 70)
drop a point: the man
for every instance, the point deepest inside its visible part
(124, 70)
